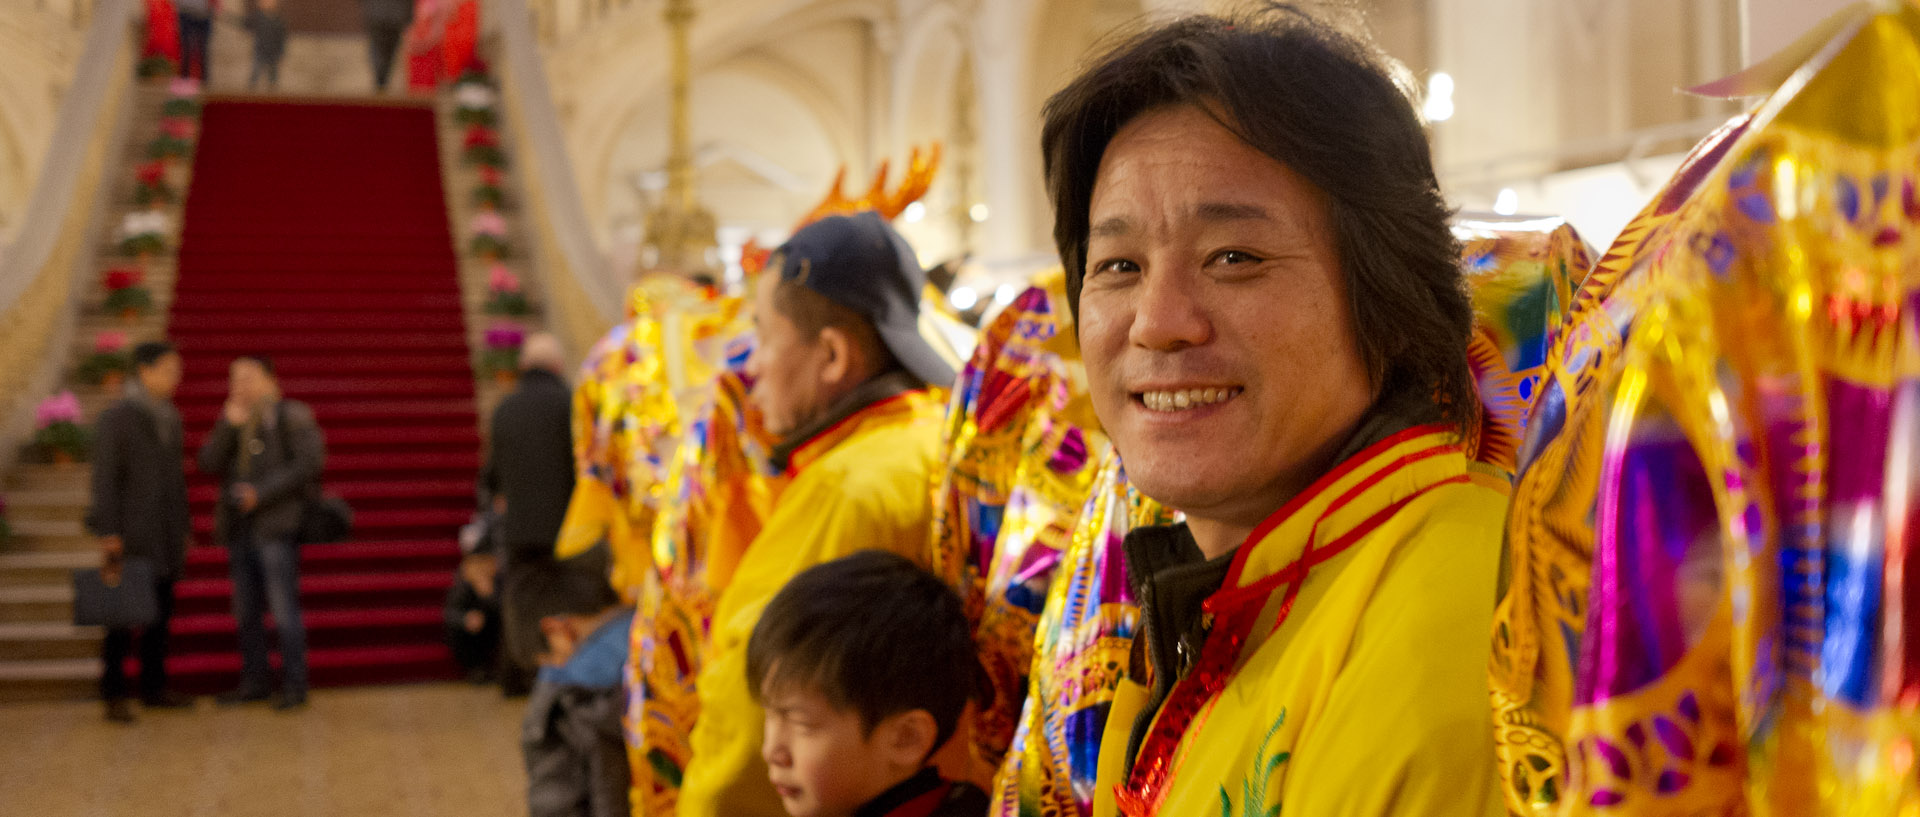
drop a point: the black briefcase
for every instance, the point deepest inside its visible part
(131, 603)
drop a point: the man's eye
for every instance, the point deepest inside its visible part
(1120, 265)
(1235, 257)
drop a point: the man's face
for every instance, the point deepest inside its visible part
(1214, 320)
(162, 379)
(787, 365)
(820, 758)
(249, 382)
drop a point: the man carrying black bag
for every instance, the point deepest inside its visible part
(269, 453)
(139, 512)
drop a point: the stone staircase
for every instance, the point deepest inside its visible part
(42, 654)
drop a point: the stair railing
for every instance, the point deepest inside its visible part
(582, 289)
(46, 271)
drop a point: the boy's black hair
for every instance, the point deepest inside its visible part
(150, 353)
(872, 633)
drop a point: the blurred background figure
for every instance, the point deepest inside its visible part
(386, 20)
(269, 31)
(528, 480)
(139, 511)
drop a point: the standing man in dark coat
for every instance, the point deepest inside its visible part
(529, 478)
(386, 21)
(139, 510)
(268, 452)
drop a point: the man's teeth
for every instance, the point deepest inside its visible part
(1185, 398)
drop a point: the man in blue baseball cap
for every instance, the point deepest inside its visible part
(843, 377)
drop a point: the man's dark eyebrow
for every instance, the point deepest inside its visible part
(1224, 211)
(1107, 228)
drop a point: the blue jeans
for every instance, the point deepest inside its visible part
(266, 575)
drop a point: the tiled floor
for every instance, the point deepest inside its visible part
(417, 751)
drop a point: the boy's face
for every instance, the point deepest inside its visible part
(824, 763)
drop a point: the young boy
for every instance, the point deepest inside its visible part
(864, 665)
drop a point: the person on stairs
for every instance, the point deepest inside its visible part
(268, 453)
(269, 43)
(386, 20)
(139, 510)
(196, 38)
(844, 379)
(528, 480)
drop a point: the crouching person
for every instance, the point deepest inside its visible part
(571, 736)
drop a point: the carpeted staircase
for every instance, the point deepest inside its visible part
(316, 234)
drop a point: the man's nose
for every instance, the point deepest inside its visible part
(1169, 311)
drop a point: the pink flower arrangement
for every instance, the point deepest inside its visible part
(505, 335)
(60, 408)
(492, 224)
(183, 87)
(501, 279)
(109, 343)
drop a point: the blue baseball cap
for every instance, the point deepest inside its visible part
(861, 263)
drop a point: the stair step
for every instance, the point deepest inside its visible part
(48, 640)
(38, 602)
(27, 568)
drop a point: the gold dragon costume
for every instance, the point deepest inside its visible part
(1021, 448)
(715, 496)
(1522, 273)
(1729, 429)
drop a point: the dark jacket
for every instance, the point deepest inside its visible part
(140, 484)
(927, 795)
(269, 31)
(395, 13)
(530, 461)
(284, 470)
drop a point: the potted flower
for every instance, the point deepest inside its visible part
(180, 106)
(481, 146)
(489, 236)
(489, 197)
(502, 355)
(473, 103)
(155, 66)
(151, 186)
(503, 293)
(126, 297)
(143, 233)
(58, 437)
(108, 365)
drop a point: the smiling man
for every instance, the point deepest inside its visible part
(1275, 334)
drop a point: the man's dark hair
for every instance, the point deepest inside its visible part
(812, 312)
(871, 633)
(1323, 104)
(265, 363)
(150, 353)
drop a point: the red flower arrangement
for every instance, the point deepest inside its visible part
(151, 172)
(120, 278)
(481, 135)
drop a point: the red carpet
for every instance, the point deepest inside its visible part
(317, 235)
